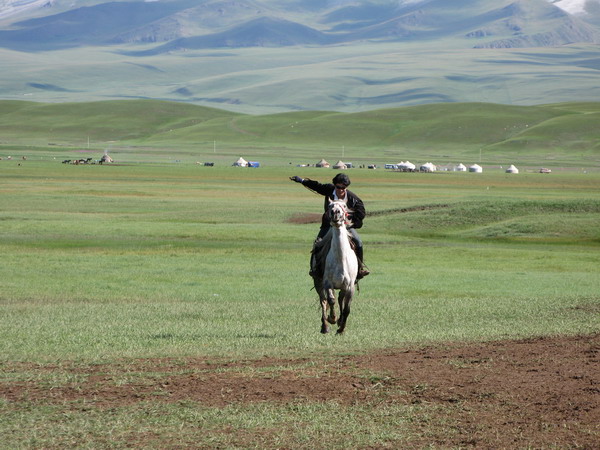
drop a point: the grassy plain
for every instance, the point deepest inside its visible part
(141, 260)
(116, 264)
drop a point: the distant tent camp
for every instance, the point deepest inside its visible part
(340, 165)
(323, 163)
(241, 162)
(428, 167)
(512, 169)
(106, 159)
(460, 168)
(476, 168)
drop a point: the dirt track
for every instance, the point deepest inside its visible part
(538, 393)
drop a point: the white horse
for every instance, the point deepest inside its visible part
(340, 270)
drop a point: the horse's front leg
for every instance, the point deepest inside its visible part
(331, 303)
(344, 300)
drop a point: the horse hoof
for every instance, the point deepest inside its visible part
(324, 330)
(340, 332)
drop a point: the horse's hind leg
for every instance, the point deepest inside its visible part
(324, 325)
(318, 283)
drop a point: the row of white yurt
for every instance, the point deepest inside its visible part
(403, 165)
(476, 168)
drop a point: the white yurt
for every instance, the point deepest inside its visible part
(476, 168)
(322, 163)
(241, 163)
(406, 166)
(340, 165)
(460, 168)
(428, 167)
(512, 169)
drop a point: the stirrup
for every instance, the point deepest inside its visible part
(363, 271)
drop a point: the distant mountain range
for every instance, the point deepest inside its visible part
(139, 30)
(187, 24)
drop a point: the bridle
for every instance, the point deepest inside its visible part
(338, 214)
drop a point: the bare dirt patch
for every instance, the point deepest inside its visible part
(305, 218)
(543, 392)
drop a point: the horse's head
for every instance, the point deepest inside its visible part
(338, 213)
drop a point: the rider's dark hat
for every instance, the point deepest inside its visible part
(341, 178)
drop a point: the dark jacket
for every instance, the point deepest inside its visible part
(355, 204)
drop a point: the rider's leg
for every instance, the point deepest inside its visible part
(358, 249)
(313, 260)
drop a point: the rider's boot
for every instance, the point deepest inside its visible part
(363, 271)
(313, 266)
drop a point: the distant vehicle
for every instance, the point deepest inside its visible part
(544, 170)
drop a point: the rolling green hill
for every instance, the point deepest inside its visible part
(564, 132)
(110, 120)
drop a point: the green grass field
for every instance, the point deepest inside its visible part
(136, 261)
(116, 264)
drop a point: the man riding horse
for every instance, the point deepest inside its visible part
(338, 190)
